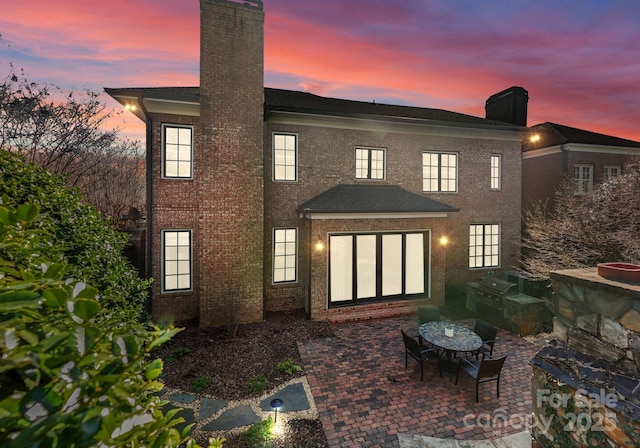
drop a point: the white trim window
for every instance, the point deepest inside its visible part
(583, 179)
(484, 245)
(496, 167)
(369, 163)
(285, 255)
(285, 157)
(176, 260)
(611, 171)
(440, 172)
(177, 152)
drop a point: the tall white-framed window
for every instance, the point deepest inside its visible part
(177, 151)
(285, 156)
(369, 163)
(176, 260)
(285, 255)
(496, 167)
(583, 179)
(484, 245)
(611, 171)
(439, 171)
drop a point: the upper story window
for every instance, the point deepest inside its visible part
(369, 163)
(496, 167)
(176, 260)
(285, 157)
(611, 171)
(583, 179)
(439, 171)
(285, 250)
(177, 151)
(484, 245)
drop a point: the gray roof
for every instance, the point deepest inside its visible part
(371, 199)
(553, 134)
(295, 101)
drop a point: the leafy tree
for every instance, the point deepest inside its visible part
(79, 235)
(65, 379)
(66, 134)
(582, 231)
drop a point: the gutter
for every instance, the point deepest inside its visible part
(149, 192)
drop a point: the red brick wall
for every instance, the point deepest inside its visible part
(229, 175)
(327, 158)
(174, 206)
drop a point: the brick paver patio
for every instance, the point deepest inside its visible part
(365, 396)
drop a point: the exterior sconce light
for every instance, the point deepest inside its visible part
(534, 138)
(444, 241)
(319, 246)
(131, 107)
(276, 404)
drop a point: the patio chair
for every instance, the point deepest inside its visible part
(488, 334)
(483, 371)
(427, 314)
(413, 348)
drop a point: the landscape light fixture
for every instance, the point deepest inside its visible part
(276, 404)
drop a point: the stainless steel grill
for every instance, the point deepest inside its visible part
(500, 303)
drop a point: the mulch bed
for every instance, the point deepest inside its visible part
(232, 362)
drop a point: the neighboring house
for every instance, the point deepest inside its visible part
(553, 154)
(264, 199)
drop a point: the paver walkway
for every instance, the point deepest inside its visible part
(366, 398)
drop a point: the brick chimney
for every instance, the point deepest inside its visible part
(509, 106)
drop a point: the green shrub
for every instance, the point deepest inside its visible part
(65, 376)
(77, 235)
(288, 367)
(258, 383)
(201, 383)
(178, 353)
(259, 433)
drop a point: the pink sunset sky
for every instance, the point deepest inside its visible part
(579, 60)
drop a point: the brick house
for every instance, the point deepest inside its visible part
(263, 199)
(554, 153)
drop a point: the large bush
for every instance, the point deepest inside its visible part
(78, 235)
(65, 379)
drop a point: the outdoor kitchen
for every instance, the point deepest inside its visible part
(586, 383)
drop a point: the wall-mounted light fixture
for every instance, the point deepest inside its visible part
(319, 246)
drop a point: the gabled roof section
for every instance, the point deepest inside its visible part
(372, 200)
(553, 134)
(304, 102)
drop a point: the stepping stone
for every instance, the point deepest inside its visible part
(183, 398)
(233, 418)
(294, 398)
(209, 406)
(187, 414)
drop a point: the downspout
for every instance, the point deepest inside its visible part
(309, 255)
(149, 192)
(265, 275)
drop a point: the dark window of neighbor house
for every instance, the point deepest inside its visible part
(285, 255)
(176, 260)
(484, 245)
(177, 152)
(378, 266)
(439, 171)
(496, 167)
(612, 171)
(285, 157)
(369, 163)
(583, 179)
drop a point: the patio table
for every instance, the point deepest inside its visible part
(462, 340)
